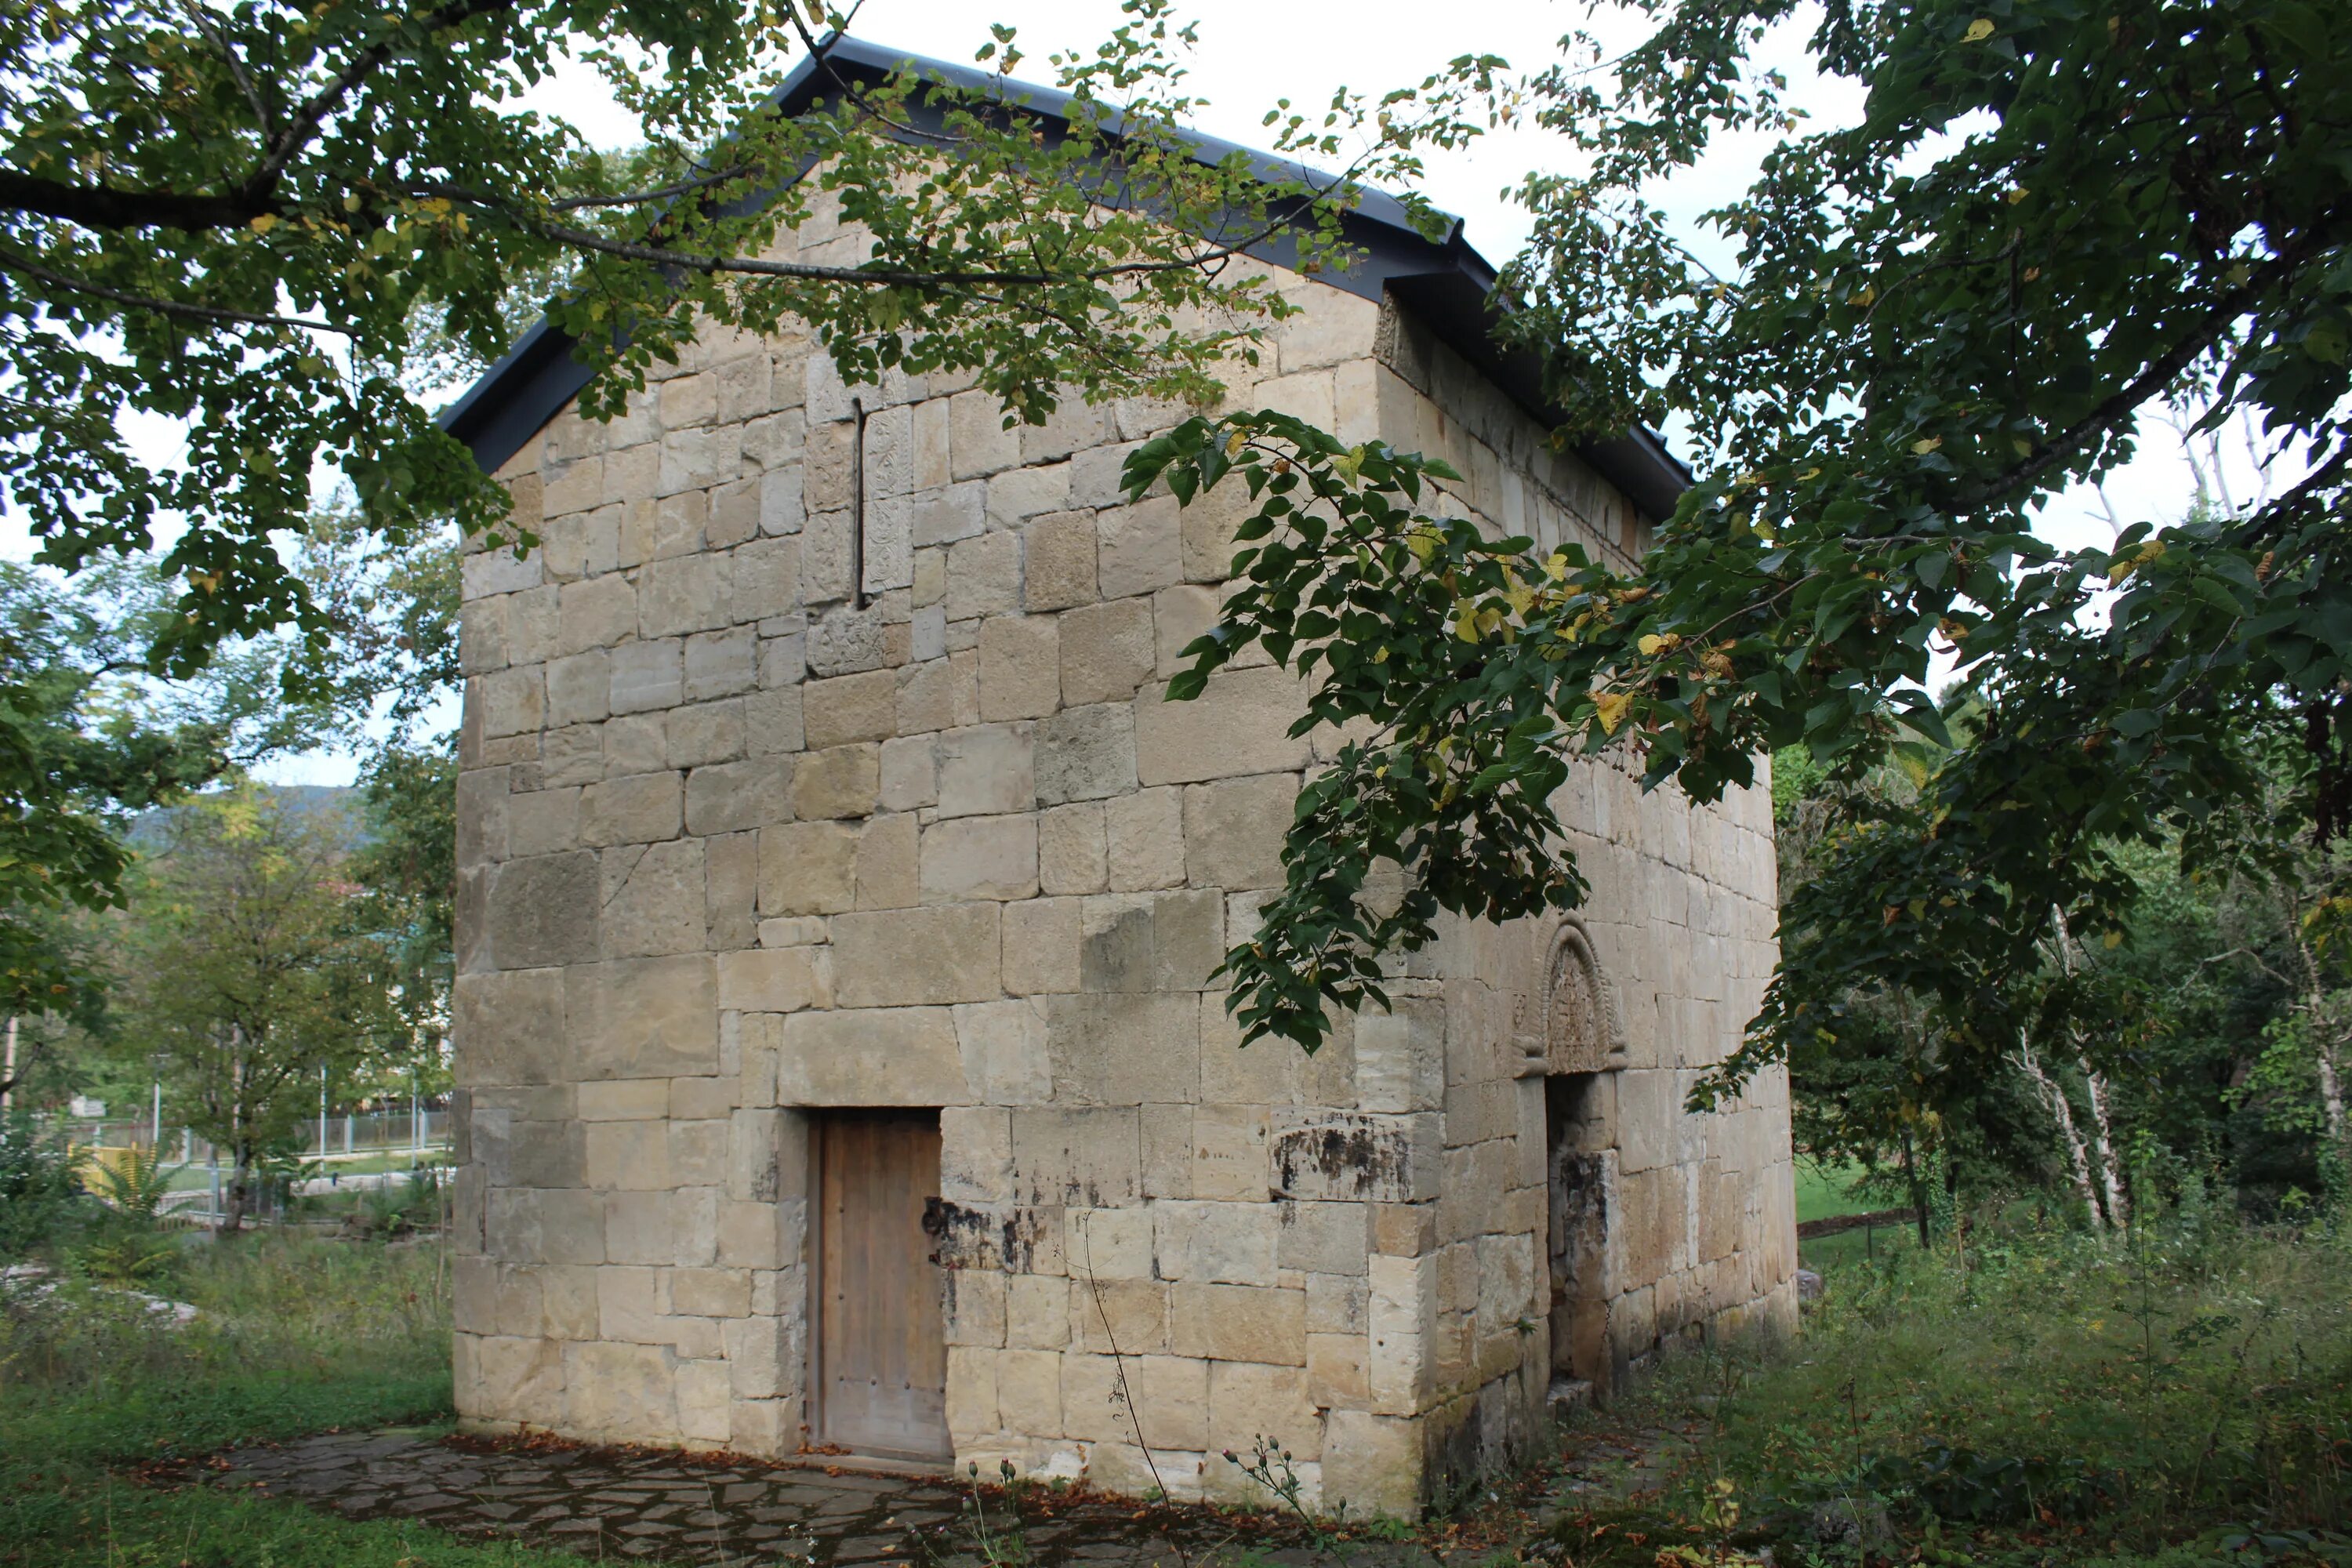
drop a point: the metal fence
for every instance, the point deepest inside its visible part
(357, 1134)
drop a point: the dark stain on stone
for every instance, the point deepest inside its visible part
(1343, 1157)
(965, 1238)
(960, 1237)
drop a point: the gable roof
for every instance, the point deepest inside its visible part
(1446, 284)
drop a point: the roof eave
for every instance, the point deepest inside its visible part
(1446, 279)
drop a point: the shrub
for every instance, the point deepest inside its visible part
(42, 1205)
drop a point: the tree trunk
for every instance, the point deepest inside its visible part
(2320, 1019)
(240, 1117)
(2331, 1088)
(240, 1187)
(2110, 1169)
(2078, 1158)
(1918, 1186)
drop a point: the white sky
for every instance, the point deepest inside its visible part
(1252, 53)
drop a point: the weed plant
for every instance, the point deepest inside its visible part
(2041, 1396)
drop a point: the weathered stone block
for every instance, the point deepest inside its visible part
(619, 1389)
(837, 782)
(897, 958)
(983, 576)
(1165, 1399)
(1240, 724)
(768, 980)
(513, 701)
(808, 868)
(1086, 753)
(1071, 856)
(515, 1379)
(886, 859)
(655, 900)
(543, 911)
(987, 770)
(1037, 1312)
(1020, 666)
(1124, 1049)
(1140, 549)
(1233, 831)
(941, 694)
(1108, 651)
(978, 443)
(1401, 1057)
(911, 773)
(1092, 1157)
(1041, 946)
(579, 688)
(632, 1157)
(596, 612)
(1344, 1156)
(1227, 1158)
(1224, 1243)
(1335, 1374)
(720, 664)
(509, 1028)
(1020, 494)
(850, 707)
(643, 1017)
(643, 808)
(973, 1307)
(885, 1055)
(1058, 561)
(980, 857)
(1372, 1464)
(1248, 1401)
(737, 797)
(1238, 1322)
(1146, 840)
(705, 733)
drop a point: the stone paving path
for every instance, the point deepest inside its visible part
(606, 1503)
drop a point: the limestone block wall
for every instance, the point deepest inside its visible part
(1692, 1219)
(742, 839)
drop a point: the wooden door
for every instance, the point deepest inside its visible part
(881, 1349)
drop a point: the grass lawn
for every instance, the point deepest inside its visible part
(295, 1336)
(2180, 1397)
(1825, 1192)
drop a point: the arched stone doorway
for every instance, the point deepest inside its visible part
(1583, 1043)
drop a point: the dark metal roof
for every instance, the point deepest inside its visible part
(1445, 283)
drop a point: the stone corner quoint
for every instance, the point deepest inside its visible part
(838, 1063)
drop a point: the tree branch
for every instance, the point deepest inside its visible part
(104, 207)
(2159, 371)
(821, 52)
(217, 36)
(311, 115)
(14, 263)
(710, 262)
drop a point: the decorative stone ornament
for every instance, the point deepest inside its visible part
(1584, 1031)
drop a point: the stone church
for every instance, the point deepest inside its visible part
(839, 1068)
